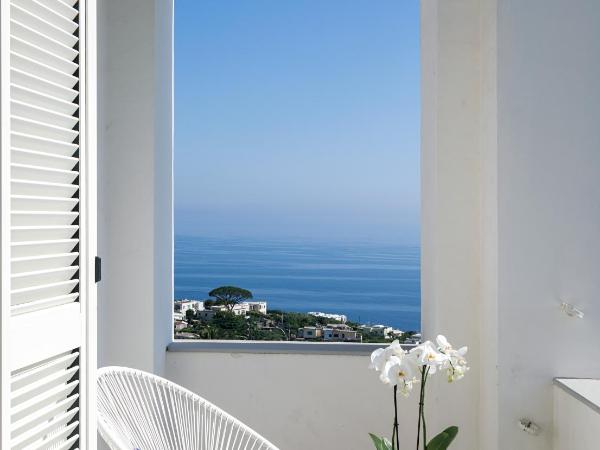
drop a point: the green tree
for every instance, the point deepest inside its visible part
(208, 304)
(190, 314)
(230, 295)
(230, 326)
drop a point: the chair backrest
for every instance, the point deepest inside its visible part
(138, 410)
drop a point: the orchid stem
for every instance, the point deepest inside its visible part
(423, 413)
(424, 373)
(420, 411)
(422, 405)
(395, 433)
(394, 425)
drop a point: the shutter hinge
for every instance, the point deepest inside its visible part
(97, 269)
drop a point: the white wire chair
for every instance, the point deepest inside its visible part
(138, 410)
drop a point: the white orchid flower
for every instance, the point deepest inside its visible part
(401, 372)
(380, 357)
(443, 343)
(428, 356)
(455, 363)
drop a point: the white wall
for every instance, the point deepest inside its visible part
(451, 201)
(576, 421)
(510, 226)
(298, 401)
(548, 205)
(510, 171)
(135, 182)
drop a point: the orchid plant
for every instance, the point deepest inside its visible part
(404, 370)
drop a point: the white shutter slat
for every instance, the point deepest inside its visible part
(34, 36)
(42, 144)
(52, 395)
(39, 387)
(46, 207)
(42, 26)
(38, 373)
(42, 87)
(42, 173)
(43, 232)
(43, 303)
(33, 202)
(60, 7)
(43, 55)
(45, 276)
(42, 262)
(36, 435)
(43, 414)
(28, 218)
(30, 66)
(49, 13)
(43, 292)
(37, 128)
(40, 248)
(50, 160)
(69, 2)
(43, 115)
(27, 187)
(61, 440)
(44, 100)
(67, 445)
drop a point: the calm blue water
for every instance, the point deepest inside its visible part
(370, 283)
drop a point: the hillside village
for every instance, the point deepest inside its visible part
(251, 320)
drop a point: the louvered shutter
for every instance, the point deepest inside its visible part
(48, 216)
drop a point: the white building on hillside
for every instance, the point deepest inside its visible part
(180, 325)
(182, 306)
(340, 333)
(340, 317)
(243, 308)
(379, 330)
(310, 332)
(257, 306)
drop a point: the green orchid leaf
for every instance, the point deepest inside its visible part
(380, 443)
(443, 440)
(377, 441)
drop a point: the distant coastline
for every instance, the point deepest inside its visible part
(369, 283)
(232, 313)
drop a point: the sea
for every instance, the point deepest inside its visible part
(369, 283)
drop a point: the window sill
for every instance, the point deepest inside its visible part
(275, 347)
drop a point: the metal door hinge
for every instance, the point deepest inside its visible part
(97, 269)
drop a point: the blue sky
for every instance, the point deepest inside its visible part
(297, 119)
